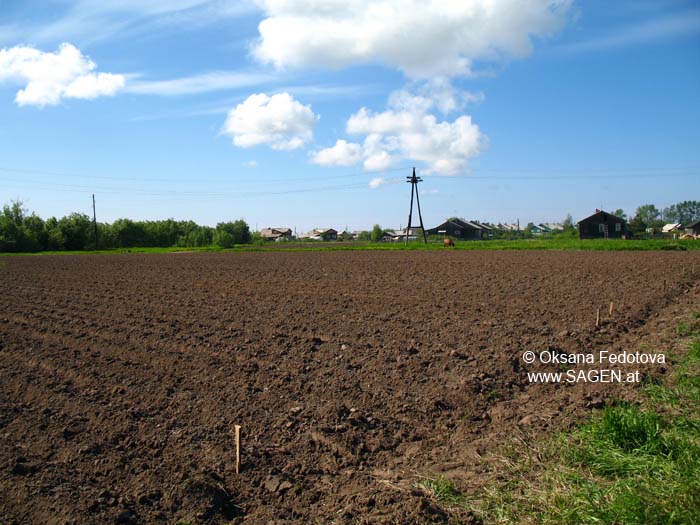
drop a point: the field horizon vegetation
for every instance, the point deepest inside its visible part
(22, 232)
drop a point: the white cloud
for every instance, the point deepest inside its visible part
(251, 164)
(446, 97)
(279, 121)
(202, 83)
(407, 131)
(50, 77)
(378, 161)
(342, 154)
(422, 38)
(376, 182)
(437, 93)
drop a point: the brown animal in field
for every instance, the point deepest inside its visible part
(448, 242)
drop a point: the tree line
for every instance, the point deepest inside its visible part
(648, 216)
(21, 231)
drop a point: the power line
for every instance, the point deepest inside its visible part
(223, 192)
(543, 174)
(56, 186)
(309, 177)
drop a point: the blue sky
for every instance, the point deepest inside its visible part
(311, 113)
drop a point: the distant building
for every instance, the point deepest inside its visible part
(322, 234)
(554, 226)
(486, 228)
(400, 235)
(602, 225)
(276, 234)
(507, 227)
(389, 236)
(539, 229)
(672, 230)
(459, 228)
(693, 228)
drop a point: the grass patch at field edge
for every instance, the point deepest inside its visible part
(628, 464)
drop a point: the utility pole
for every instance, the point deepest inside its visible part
(94, 219)
(414, 189)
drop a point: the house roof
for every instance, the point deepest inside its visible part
(671, 226)
(482, 225)
(598, 212)
(554, 225)
(692, 224)
(275, 232)
(454, 221)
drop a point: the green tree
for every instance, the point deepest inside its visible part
(35, 237)
(129, 234)
(11, 226)
(229, 233)
(223, 238)
(620, 213)
(568, 222)
(55, 239)
(647, 216)
(648, 213)
(75, 230)
(683, 212)
(376, 234)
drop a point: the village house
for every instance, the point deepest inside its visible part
(693, 228)
(602, 225)
(400, 235)
(539, 229)
(276, 234)
(322, 234)
(672, 230)
(459, 229)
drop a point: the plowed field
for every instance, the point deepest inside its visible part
(352, 374)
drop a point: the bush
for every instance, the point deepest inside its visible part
(223, 239)
(237, 233)
(76, 230)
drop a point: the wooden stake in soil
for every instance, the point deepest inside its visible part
(238, 447)
(611, 308)
(597, 317)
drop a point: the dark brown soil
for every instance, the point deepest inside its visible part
(352, 375)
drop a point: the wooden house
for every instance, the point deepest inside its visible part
(602, 225)
(459, 229)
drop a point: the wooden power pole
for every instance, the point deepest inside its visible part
(414, 190)
(94, 219)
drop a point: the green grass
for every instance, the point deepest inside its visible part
(443, 491)
(628, 464)
(553, 243)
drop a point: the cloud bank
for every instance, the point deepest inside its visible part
(50, 77)
(406, 130)
(422, 38)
